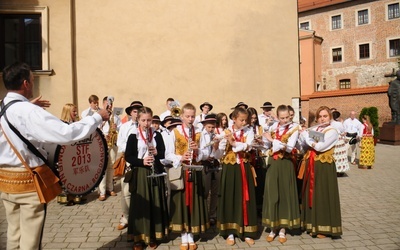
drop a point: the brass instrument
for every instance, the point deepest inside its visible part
(175, 110)
(112, 132)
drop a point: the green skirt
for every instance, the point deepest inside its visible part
(230, 219)
(184, 218)
(281, 204)
(148, 214)
(324, 216)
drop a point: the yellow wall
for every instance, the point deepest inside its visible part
(222, 52)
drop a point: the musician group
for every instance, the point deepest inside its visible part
(185, 173)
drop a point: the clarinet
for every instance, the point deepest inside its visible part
(190, 173)
(149, 144)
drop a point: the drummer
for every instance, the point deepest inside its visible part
(44, 128)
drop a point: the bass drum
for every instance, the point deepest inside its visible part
(81, 165)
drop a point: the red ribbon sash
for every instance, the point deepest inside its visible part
(275, 155)
(189, 184)
(245, 187)
(311, 177)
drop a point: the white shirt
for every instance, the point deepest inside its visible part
(125, 130)
(330, 138)
(205, 147)
(165, 114)
(352, 126)
(277, 145)
(142, 146)
(88, 112)
(338, 126)
(197, 121)
(40, 128)
(262, 119)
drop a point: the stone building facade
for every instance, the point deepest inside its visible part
(359, 52)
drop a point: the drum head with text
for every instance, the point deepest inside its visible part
(82, 164)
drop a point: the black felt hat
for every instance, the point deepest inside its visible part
(206, 103)
(211, 118)
(241, 104)
(134, 105)
(267, 105)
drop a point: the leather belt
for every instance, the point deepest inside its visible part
(16, 182)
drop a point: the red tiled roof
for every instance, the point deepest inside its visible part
(305, 5)
(346, 92)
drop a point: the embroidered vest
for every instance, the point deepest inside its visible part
(230, 156)
(181, 144)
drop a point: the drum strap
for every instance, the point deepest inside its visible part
(31, 147)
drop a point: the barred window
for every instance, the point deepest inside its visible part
(364, 51)
(362, 17)
(344, 84)
(393, 11)
(337, 55)
(336, 22)
(394, 47)
(305, 25)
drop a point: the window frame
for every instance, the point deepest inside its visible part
(309, 24)
(388, 47)
(346, 81)
(368, 16)
(342, 54)
(331, 23)
(44, 13)
(359, 52)
(387, 11)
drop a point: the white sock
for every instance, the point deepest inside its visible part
(190, 237)
(282, 232)
(231, 237)
(272, 233)
(184, 238)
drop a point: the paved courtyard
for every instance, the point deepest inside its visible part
(370, 202)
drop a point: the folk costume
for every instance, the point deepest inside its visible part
(237, 209)
(281, 205)
(258, 161)
(211, 173)
(148, 215)
(320, 208)
(352, 129)
(340, 152)
(367, 152)
(24, 212)
(188, 206)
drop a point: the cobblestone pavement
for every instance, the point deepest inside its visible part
(370, 202)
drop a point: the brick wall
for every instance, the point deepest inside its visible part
(346, 104)
(362, 72)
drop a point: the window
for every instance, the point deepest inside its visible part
(336, 22)
(337, 55)
(363, 17)
(394, 47)
(363, 51)
(21, 39)
(305, 25)
(393, 11)
(344, 84)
